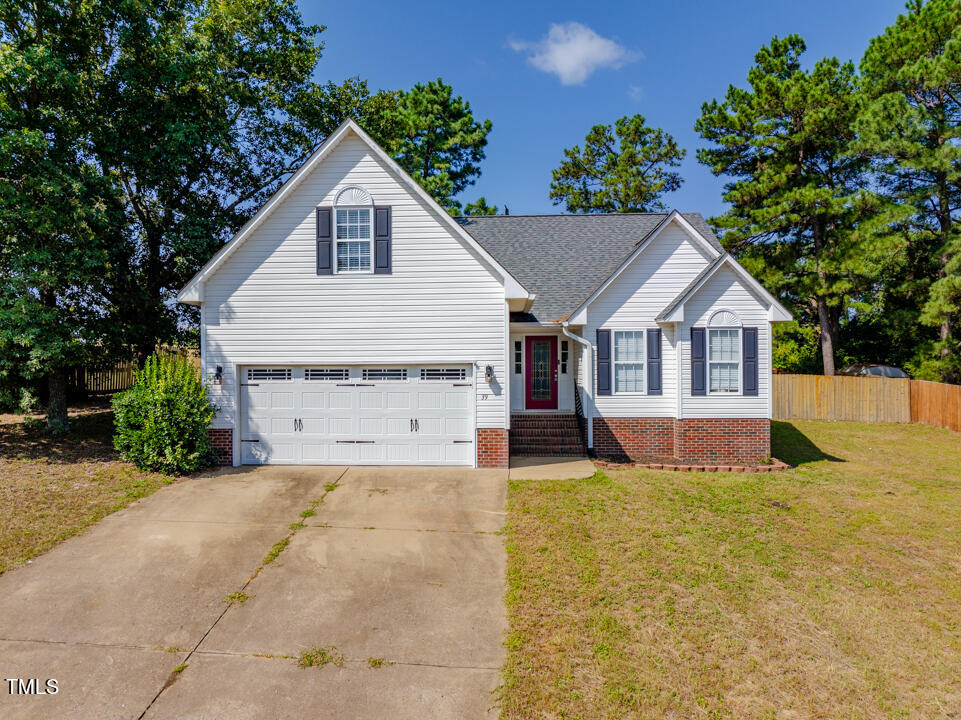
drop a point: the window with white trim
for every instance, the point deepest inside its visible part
(724, 360)
(326, 374)
(724, 353)
(518, 357)
(565, 354)
(628, 361)
(385, 373)
(352, 239)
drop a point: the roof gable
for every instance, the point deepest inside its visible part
(566, 259)
(674, 311)
(192, 292)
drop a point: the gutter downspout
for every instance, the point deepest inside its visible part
(589, 384)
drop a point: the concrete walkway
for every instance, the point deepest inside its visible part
(551, 468)
(399, 567)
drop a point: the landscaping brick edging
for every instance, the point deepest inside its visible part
(684, 467)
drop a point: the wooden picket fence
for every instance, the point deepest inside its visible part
(866, 399)
(118, 377)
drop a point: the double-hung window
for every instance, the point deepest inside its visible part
(353, 240)
(724, 360)
(628, 361)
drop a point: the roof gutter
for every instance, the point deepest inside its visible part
(590, 381)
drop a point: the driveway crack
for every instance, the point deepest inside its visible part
(277, 548)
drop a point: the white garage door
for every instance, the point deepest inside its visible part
(417, 415)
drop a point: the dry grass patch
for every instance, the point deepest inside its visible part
(52, 488)
(830, 590)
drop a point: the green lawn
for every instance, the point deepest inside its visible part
(831, 590)
(53, 488)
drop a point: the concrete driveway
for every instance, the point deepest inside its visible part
(398, 577)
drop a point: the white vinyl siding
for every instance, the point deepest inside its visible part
(725, 291)
(632, 301)
(441, 304)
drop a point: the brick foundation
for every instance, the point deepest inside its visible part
(705, 440)
(492, 448)
(630, 438)
(724, 440)
(222, 440)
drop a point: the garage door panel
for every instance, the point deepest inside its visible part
(343, 453)
(428, 400)
(456, 400)
(428, 453)
(258, 401)
(315, 426)
(317, 415)
(341, 400)
(315, 452)
(428, 426)
(371, 400)
(282, 425)
(282, 401)
(457, 427)
(371, 426)
(341, 426)
(314, 401)
(398, 401)
(398, 426)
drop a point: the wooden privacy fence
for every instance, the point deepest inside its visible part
(866, 399)
(120, 376)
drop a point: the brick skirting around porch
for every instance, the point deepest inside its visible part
(222, 440)
(722, 440)
(710, 440)
(633, 437)
(493, 448)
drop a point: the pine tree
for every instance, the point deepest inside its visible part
(911, 128)
(621, 169)
(794, 193)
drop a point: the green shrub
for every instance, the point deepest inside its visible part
(162, 419)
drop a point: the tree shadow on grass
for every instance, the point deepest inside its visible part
(794, 447)
(90, 438)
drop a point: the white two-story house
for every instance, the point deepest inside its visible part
(352, 320)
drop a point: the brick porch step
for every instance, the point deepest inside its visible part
(547, 434)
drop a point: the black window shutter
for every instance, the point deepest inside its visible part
(698, 362)
(325, 241)
(603, 362)
(654, 362)
(749, 362)
(382, 248)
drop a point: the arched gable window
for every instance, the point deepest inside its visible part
(724, 353)
(353, 208)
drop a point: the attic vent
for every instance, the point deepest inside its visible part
(443, 373)
(321, 374)
(385, 373)
(269, 374)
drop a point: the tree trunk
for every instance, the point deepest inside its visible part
(829, 335)
(57, 421)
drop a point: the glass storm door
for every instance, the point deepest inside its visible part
(541, 382)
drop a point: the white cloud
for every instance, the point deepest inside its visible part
(635, 92)
(573, 51)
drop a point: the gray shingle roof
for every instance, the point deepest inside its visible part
(563, 259)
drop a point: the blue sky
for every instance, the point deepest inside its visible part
(544, 89)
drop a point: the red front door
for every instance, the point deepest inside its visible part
(541, 383)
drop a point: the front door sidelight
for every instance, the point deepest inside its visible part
(541, 371)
